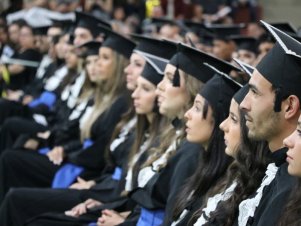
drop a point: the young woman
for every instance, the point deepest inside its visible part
(243, 175)
(210, 108)
(291, 212)
(109, 104)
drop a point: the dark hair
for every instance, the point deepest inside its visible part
(247, 170)
(213, 164)
(291, 212)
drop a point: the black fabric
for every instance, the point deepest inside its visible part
(19, 168)
(275, 195)
(18, 81)
(117, 42)
(154, 46)
(219, 91)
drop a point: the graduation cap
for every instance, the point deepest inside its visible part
(66, 25)
(164, 49)
(91, 48)
(117, 42)
(281, 66)
(154, 68)
(89, 22)
(159, 22)
(41, 30)
(248, 69)
(219, 90)
(225, 31)
(245, 43)
(239, 96)
(191, 60)
(286, 27)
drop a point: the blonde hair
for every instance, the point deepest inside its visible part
(106, 93)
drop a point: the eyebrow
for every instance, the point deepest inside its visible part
(168, 73)
(231, 113)
(252, 86)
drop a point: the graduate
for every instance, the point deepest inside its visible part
(246, 49)
(210, 108)
(272, 108)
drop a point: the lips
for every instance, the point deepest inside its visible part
(248, 118)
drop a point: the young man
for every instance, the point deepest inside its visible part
(272, 108)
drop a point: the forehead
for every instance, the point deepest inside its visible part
(82, 31)
(169, 68)
(234, 107)
(136, 56)
(259, 82)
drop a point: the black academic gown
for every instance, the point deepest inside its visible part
(30, 169)
(160, 192)
(27, 204)
(19, 80)
(274, 195)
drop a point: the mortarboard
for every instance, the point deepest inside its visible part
(159, 22)
(281, 66)
(90, 48)
(117, 42)
(40, 30)
(219, 90)
(239, 96)
(245, 43)
(154, 68)
(286, 27)
(225, 31)
(66, 25)
(248, 69)
(89, 22)
(159, 48)
(191, 60)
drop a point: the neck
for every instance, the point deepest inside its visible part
(276, 142)
(150, 117)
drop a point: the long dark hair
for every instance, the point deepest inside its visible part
(291, 213)
(213, 164)
(247, 170)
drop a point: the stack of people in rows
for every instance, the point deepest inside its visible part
(134, 129)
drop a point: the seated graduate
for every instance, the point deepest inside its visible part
(210, 108)
(111, 101)
(272, 108)
(243, 175)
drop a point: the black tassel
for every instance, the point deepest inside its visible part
(278, 100)
(176, 78)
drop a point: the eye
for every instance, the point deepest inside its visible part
(234, 119)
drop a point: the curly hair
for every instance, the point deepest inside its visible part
(292, 211)
(247, 170)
